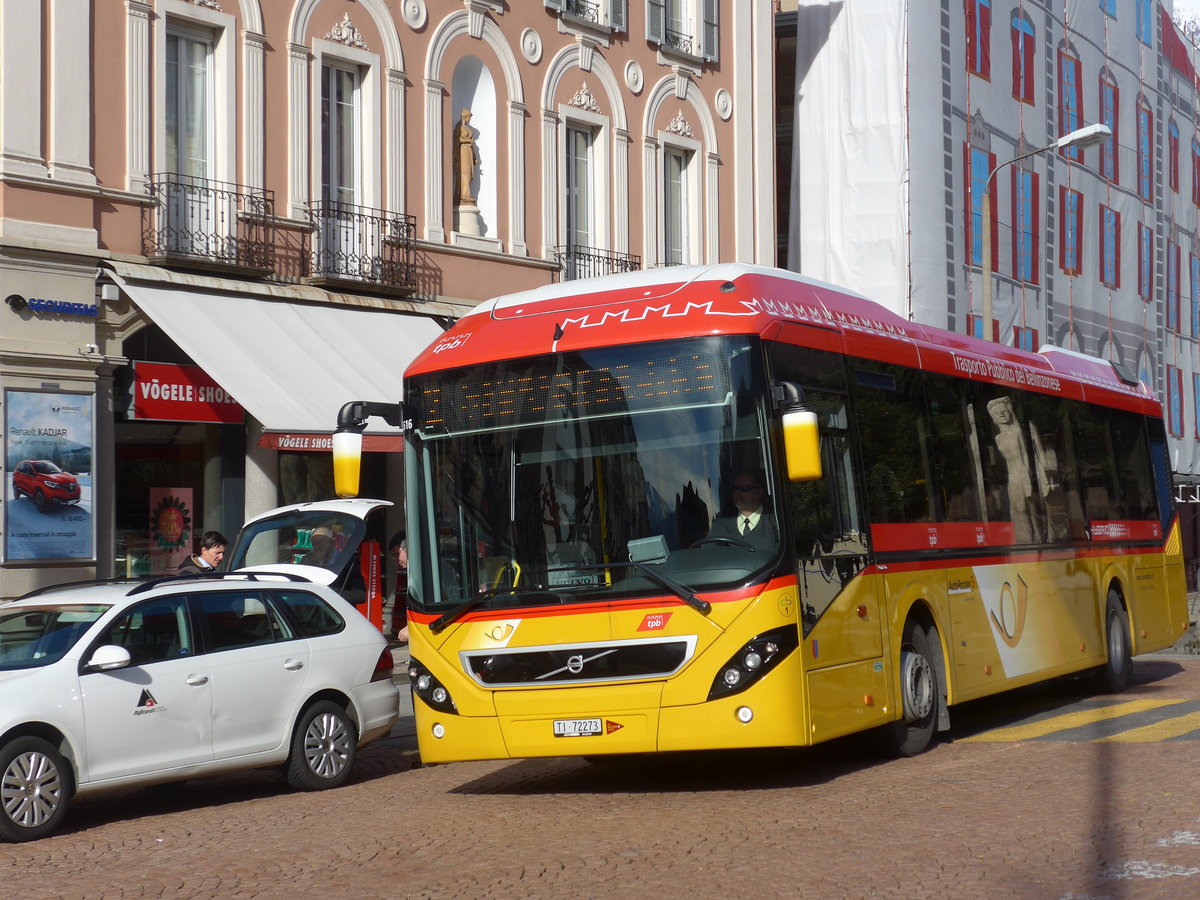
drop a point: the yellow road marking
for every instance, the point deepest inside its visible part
(1069, 720)
(1159, 731)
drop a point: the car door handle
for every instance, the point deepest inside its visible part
(293, 664)
(197, 679)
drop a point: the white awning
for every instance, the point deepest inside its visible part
(290, 365)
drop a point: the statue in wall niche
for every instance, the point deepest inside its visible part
(466, 160)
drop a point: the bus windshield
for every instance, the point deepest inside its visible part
(538, 480)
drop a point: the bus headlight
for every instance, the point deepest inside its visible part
(429, 689)
(756, 658)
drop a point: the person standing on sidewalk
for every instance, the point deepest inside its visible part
(398, 550)
(212, 551)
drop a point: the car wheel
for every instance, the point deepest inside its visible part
(39, 500)
(35, 786)
(1117, 673)
(323, 748)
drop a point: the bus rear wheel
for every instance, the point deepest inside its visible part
(1117, 673)
(918, 695)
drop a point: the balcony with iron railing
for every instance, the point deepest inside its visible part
(202, 223)
(679, 42)
(583, 10)
(356, 246)
(589, 262)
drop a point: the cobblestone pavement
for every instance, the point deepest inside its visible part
(969, 819)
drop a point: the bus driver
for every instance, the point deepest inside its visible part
(754, 524)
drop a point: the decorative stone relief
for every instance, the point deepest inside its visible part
(531, 46)
(680, 126)
(344, 32)
(584, 99)
(211, 4)
(633, 76)
(723, 103)
(414, 13)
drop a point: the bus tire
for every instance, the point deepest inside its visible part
(1117, 672)
(919, 692)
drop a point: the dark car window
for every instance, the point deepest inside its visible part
(153, 632)
(312, 615)
(47, 468)
(239, 619)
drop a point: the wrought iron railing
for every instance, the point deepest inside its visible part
(582, 9)
(588, 262)
(357, 244)
(680, 42)
(209, 223)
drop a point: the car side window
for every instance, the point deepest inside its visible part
(239, 619)
(153, 631)
(312, 615)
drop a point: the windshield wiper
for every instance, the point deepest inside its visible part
(478, 600)
(682, 592)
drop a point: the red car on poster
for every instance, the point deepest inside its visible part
(45, 482)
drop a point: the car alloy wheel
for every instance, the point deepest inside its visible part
(34, 789)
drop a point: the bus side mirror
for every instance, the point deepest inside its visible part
(801, 442)
(802, 445)
(347, 462)
(347, 440)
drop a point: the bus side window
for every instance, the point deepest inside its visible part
(1136, 497)
(1057, 475)
(889, 404)
(948, 426)
(1093, 443)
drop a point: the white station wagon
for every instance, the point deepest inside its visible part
(108, 686)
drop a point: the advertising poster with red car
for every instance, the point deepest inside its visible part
(48, 454)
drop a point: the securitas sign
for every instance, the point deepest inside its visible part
(171, 393)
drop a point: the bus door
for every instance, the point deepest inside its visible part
(827, 524)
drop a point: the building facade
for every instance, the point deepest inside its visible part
(914, 119)
(221, 219)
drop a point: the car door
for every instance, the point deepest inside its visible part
(259, 668)
(156, 713)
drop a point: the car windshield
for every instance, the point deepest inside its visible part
(34, 636)
(47, 468)
(537, 481)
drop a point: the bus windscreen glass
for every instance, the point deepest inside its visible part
(534, 475)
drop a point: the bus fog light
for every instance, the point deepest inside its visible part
(439, 730)
(745, 714)
(732, 676)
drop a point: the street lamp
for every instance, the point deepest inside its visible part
(1082, 138)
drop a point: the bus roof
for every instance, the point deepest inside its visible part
(736, 298)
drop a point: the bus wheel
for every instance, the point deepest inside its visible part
(1117, 673)
(918, 696)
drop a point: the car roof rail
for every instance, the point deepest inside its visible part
(68, 585)
(217, 576)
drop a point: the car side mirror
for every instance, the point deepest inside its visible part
(107, 658)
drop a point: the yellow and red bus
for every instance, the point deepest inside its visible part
(965, 518)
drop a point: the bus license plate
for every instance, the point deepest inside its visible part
(577, 727)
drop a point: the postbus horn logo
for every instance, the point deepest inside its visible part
(1011, 622)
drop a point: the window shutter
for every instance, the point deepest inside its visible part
(556, 5)
(618, 15)
(656, 21)
(711, 34)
